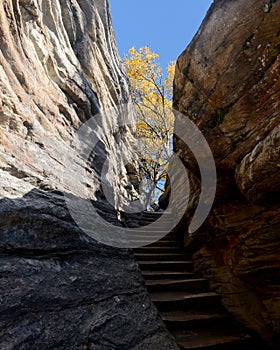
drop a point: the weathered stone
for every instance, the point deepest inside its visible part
(59, 68)
(227, 82)
(59, 288)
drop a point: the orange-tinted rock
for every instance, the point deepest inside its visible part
(227, 82)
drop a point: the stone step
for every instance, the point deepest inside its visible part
(162, 274)
(164, 227)
(169, 238)
(151, 231)
(155, 218)
(160, 256)
(156, 221)
(187, 319)
(180, 300)
(147, 233)
(166, 242)
(141, 242)
(158, 227)
(151, 241)
(154, 237)
(212, 339)
(162, 224)
(192, 313)
(180, 265)
(155, 213)
(160, 249)
(187, 284)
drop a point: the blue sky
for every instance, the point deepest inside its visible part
(165, 26)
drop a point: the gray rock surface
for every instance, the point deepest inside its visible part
(59, 288)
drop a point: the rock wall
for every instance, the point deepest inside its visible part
(227, 82)
(59, 288)
(59, 67)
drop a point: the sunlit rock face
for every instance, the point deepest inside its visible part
(59, 67)
(60, 289)
(227, 82)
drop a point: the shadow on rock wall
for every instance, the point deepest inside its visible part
(61, 289)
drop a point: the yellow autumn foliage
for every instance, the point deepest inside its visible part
(151, 92)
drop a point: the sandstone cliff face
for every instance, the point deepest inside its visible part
(227, 82)
(60, 289)
(59, 67)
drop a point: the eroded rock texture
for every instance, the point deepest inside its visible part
(59, 67)
(227, 82)
(60, 289)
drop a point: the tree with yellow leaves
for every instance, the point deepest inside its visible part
(151, 92)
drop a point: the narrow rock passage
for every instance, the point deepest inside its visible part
(192, 312)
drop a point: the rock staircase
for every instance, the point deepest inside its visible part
(192, 312)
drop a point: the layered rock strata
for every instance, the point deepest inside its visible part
(59, 288)
(227, 82)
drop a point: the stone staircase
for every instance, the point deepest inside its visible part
(192, 312)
